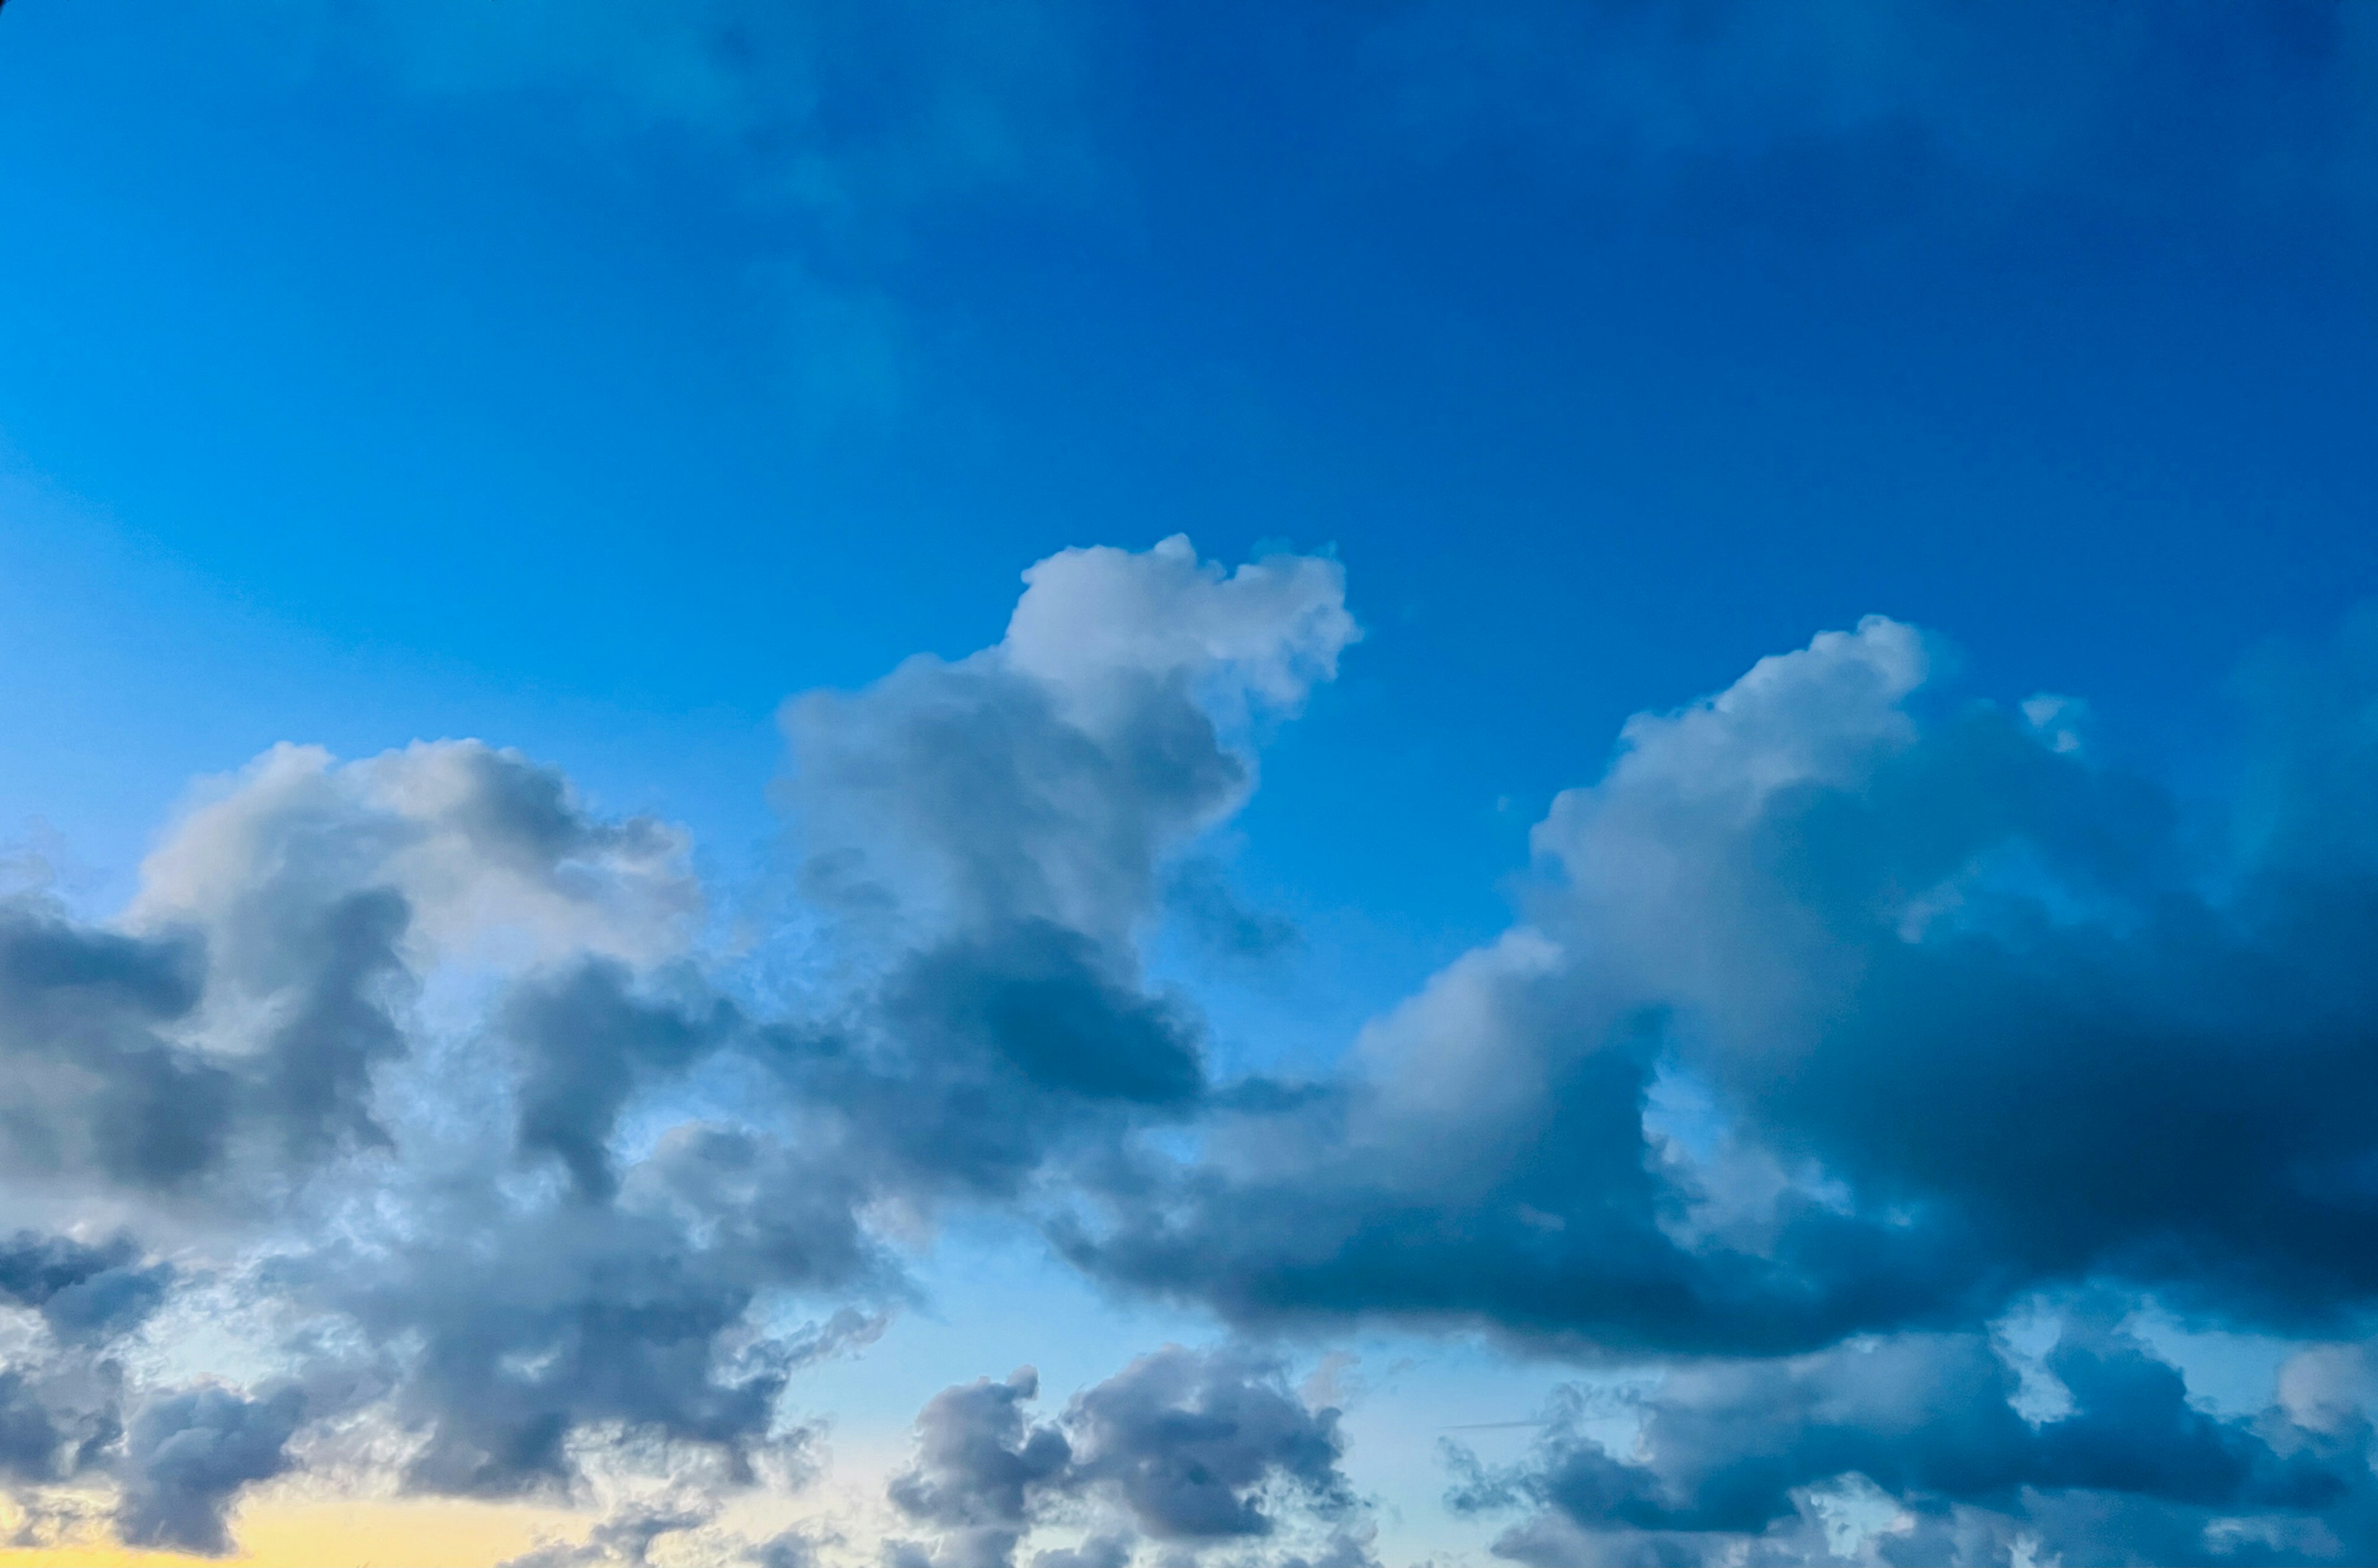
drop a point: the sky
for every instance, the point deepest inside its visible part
(1132, 785)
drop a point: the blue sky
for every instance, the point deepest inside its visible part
(592, 379)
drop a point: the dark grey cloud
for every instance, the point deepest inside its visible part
(95, 1086)
(30, 1444)
(1188, 1443)
(1728, 1457)
(188, 1455)
(316, 1079)
(239, 1015)
(968, 794)
(62, 1392)
(1096, 1552)
(1835, 1010)
(961, 1072)
(994, 834)
(98, 1026)
(82, 1292)
(1181, 1447)
(666, 1197)
(624, 1541)
(981, 1467)
(587, 1039)
(516, 1329)
(1039, 999)
(787, 1549)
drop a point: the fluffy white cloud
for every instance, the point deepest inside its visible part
(1093, 623)
(493, 854)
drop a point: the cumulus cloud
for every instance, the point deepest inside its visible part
(1841, 1008)
(1903, 956)
(981, 1034)
(1049, 777)
(423, 1063)
(190, 1453)
(239, 1012)
(624, 1541)
(98, 1086)
(1767, 1454)
(586, 1039)
(1841, 1017)
(991, 837)
(225, 1052)
(1189, 1442)
(29, 1439)
(82, 1292)
(520, 1330)
(493, 854)
(77, 1309)
(1181, 1447)
(979, 1461)
(1095, 624)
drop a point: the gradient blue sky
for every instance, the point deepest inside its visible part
(589, 378)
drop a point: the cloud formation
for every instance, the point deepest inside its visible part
(188, 1454)
(1181, 1447)
(82, 1292)
(407, 1057)
(992, 837)
(1843, 1022)
(1843, 1010)
(1813, 1029)
(2130, 1471)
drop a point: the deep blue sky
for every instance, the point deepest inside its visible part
(434, 409)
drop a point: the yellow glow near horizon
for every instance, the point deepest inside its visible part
(370, 1533)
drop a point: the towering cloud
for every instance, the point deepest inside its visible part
(992, 834)
(1815, 1027)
